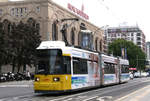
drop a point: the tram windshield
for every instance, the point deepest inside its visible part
(50, 62)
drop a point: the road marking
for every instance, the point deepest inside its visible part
(104, 97)
(95, 91)
(68, 99)
(140, 96)
(131, 94)
(90, 98)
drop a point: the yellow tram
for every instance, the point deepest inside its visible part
(63, 68)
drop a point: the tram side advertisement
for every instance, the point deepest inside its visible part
(79, 81)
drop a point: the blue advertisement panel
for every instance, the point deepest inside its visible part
(109, 78)
(125, 77)
(79, 82)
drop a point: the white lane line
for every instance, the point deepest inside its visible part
(90, 98)
(131, 94)
(104, 97)
(68, 99)
(100, 99)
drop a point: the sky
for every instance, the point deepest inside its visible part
(115, 13)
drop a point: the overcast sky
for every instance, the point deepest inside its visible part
(115, 12)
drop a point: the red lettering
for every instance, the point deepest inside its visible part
(69, 6)
(77, 11)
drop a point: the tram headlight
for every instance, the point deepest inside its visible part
(56, 79)
(37, 79)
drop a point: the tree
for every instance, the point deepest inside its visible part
(2, 50)
(133, 52)
(23, 41)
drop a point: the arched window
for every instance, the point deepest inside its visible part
(82, 26)
(38, 28)
(100, 47)
(72, 37)
(96, 41)
(6, 26)
(31, 22)
(54, 31)
(64, 35)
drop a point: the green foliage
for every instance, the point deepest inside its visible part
(133, 52)
(19, 47)
(2, 51)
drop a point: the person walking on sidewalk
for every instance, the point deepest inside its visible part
(28, 76)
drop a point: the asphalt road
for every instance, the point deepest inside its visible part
(24, 92)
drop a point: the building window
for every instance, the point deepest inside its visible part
(31, 22)
(138, 43)
(100, 45)
(138, 38)
(82, 26)
(131, 39)
(21, 12)
(138, 34)
(37, 9)
(96, 41)
(18, 12)
(85, 40)
(54, 31)
(7, 26)
(72, 36)
(25, 10)
(131, 34)
(38, 28)
(64, 35)
(12, 11)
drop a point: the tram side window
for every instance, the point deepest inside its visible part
(79, 66)
(124, 69)
(67, 65)
(109, 68)
(127, 69)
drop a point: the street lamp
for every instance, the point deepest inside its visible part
(63, 29)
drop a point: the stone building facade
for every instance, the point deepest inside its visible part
(47, 16)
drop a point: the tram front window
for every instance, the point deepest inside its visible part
(50, 62)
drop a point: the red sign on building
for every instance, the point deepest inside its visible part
(77, 11)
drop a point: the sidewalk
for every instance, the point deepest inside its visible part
(142, 94)
(23, 83)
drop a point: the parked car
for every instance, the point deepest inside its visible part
(137, 74)
(144, 74)
(2, 78)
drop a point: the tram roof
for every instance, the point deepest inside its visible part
(61, 45)
(109, 59)
(124, 61)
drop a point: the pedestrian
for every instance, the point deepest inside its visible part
(28, 76)
(131, 75)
